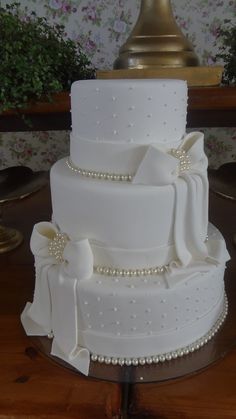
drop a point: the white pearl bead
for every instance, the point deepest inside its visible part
(174, 355)
(164, 357)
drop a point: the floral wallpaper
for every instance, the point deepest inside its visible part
(101, 27)
(39, 150)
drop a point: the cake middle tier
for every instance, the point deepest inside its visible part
(128, 225)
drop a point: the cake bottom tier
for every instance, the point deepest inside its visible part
(125, 318)
(121, 320)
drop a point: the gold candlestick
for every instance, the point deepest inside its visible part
(16, 183)
(9, 237)
(156, 40)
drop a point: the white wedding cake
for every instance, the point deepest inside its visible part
(128, 271)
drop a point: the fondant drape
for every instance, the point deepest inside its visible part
(189, 179)
(55, 286)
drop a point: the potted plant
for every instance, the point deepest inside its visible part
(227, 52)
(37, 60)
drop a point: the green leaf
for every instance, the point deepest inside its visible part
(36, 59)
(227, 51)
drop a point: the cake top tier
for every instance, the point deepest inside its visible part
(129, 111)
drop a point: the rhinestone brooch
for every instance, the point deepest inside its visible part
(184, 159)
(57, 245)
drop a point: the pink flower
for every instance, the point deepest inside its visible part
(119, 26)
(66, 7)
(55, 4)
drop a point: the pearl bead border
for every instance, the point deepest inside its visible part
(184, 165)
(56, 248)
(115, 177)
(160, 358)
(119, 272)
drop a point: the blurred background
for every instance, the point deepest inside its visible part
(101, 27)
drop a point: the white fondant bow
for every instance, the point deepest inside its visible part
(160, 168)
(76, 256)
(186, 169)
(59, 264)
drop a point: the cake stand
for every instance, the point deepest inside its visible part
(16, 183)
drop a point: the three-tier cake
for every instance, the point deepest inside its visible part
(129, 270)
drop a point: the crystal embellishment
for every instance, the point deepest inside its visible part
(57, 245)
(184, 159)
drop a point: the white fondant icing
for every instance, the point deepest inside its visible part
(167, 356)
(158, 218)
(116, 97)
(112, 214)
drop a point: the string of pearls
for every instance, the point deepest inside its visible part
(104, 270)
(181, 155)
(155, 359)
(184, 159)
(99, 175)
(57, 245)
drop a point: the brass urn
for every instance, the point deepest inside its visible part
(156, 40)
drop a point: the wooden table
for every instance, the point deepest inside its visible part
(33, 386)
(207, 107)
